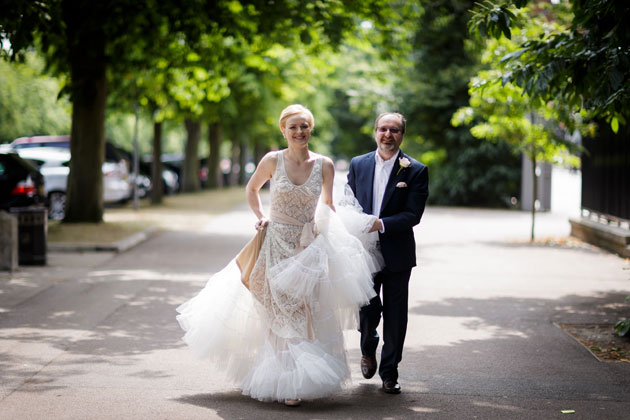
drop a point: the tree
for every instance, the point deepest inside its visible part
(503, 112)
(464, 171)
(360, 87)
(585, 65)
(89, 40)
(28, 101)
(85, 40)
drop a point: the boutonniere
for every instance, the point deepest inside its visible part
(404, 163)
(401, 185)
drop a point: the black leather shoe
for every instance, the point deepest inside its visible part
(368, 366)
(391, 387)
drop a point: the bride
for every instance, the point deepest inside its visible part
(282, 339)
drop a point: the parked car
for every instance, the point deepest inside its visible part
(170, 179)
(54, 164)
(111, 151)
(21, 184)
(173, 163)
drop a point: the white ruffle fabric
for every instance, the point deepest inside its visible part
(224, 323)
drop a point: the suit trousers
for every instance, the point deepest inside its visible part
(393, 309)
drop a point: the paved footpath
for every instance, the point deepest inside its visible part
(93, 335)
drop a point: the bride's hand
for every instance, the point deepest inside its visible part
(377, 226)
(261, 223)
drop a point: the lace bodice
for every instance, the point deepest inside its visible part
(292, 212)
(296, 201)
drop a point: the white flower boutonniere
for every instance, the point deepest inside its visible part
(401, 185)
(404, 163)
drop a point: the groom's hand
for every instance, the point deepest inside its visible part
(378, 225)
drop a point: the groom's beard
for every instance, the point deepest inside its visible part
(388, 148)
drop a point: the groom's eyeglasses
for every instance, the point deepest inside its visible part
(391, 130)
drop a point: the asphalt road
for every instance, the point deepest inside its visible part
(94, 336)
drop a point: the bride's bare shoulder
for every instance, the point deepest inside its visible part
(269, 162)
(271, 156)
(326, 161)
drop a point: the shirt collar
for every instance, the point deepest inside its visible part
(387, 163)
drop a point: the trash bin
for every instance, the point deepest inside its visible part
(32, 231)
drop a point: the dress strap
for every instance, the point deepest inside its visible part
(280, 164)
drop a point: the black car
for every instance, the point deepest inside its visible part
(21, 183)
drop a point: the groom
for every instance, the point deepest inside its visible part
(393, 187)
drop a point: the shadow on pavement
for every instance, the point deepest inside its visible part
(362, 402)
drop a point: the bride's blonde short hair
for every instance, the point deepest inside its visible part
(296, 109)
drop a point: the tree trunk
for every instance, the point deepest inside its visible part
(84, 201)
(535, 194)
(235, 166)
(157, 187)
(259, 152)
(215, 136)
(190, 171)
(242, 161)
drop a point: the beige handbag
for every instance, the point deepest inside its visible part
(246, 259)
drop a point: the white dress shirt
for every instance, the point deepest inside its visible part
(382, 170)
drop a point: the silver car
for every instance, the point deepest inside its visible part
(53, 163)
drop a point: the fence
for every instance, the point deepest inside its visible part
(606, 174)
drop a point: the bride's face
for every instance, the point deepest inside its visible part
(297, 130)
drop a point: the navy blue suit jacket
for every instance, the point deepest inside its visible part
(401, 210)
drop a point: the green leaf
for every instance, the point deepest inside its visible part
(512, 56)
(235, 7)
(614, 125)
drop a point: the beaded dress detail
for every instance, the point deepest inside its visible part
(297, 203)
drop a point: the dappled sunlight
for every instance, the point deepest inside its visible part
(133, 275)
(44, 337)
(61, 314)
(452, 330)
(424, 410)
(496, 406)
(233, 223)
(167, 221)
(442, 225)
(185, 212)
(20, 282)
(128, 335)
(508, 346)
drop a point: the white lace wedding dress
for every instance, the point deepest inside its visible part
(282, 339)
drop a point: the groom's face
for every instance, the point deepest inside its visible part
(389, 135)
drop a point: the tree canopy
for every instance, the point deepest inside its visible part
(586, 64)
(224, 69)
(28, 101)
(91, 41)
(502, 111)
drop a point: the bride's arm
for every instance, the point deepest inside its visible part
(328, 172)
(264, 172)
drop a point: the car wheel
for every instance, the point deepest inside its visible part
(56, 205)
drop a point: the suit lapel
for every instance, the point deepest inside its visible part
(367, 170)
(394, 176)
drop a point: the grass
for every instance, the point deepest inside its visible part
(185, 212)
